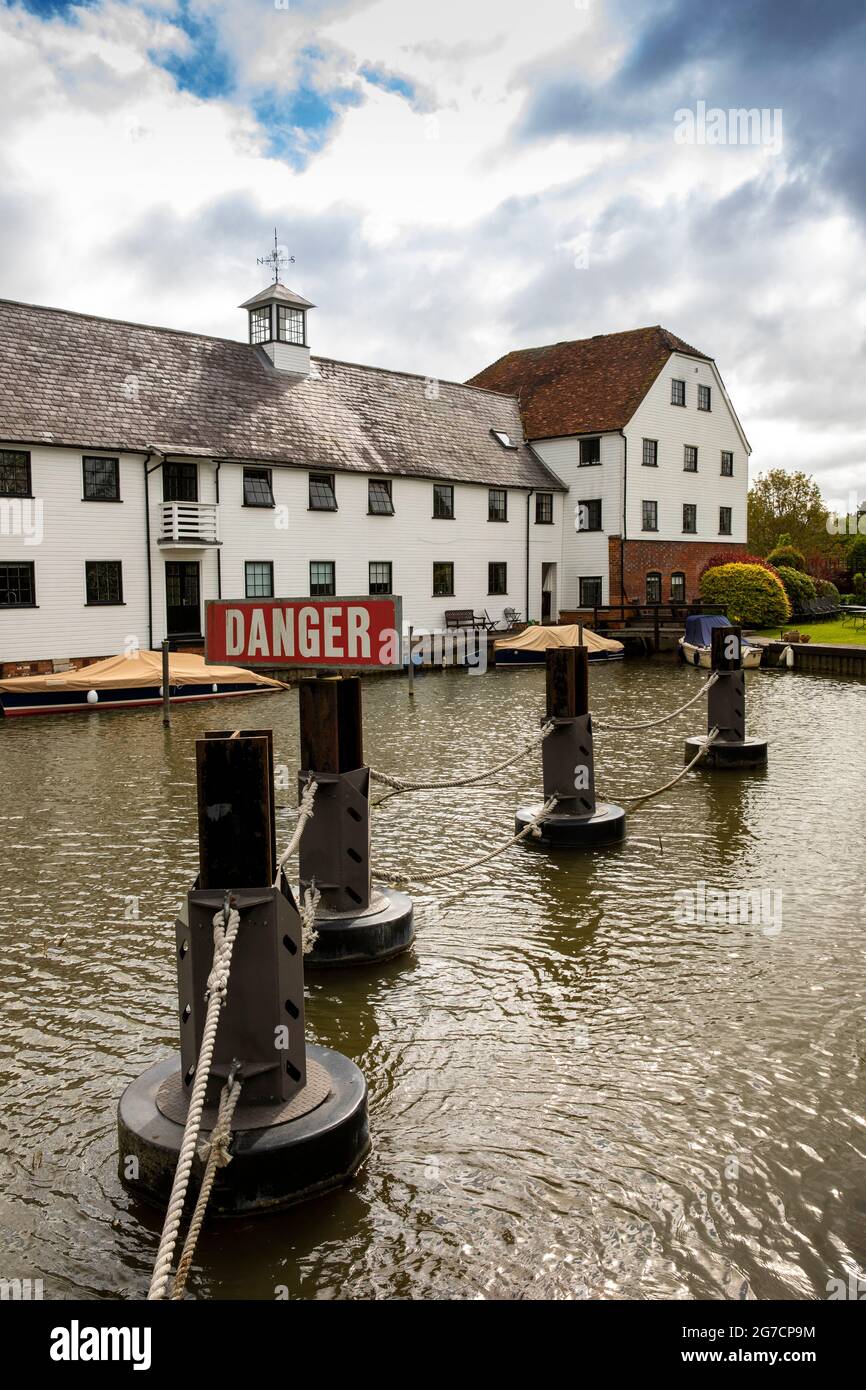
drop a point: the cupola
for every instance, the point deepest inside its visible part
(278, 325)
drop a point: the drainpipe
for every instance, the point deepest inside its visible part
(622, 537)
(528, 496)
(151, 450)
(219, 565)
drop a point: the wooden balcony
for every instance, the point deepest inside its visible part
(188, 525)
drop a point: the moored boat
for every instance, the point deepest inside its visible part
(696, 645)
(530, 646)
(129, 682)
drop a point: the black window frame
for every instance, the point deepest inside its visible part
(705, 393)
(327, 482)
(589, 579)
(585, 444)
(545, 498)
(100, 458)
(654, 575)
(92, 567)
(675, 382)
(255, 475)
(687, 467)
(443, 565)
(499, 567)
(649, 502)
(320, 588)
(654, 461)
(284, 311)
(261, 315)
(22, 460)
(384, 483)
(727, 472)
(677, 598)
(690, 508)
(376, 588)
(493, 510)
(178, 471)
(593, 507)
(729, 513)
(267, 565)
(8, 585)
(439, 489)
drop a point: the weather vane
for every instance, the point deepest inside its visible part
(276, 259)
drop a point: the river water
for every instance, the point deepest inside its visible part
(573, 1093)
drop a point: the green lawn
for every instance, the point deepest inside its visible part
(845, 633)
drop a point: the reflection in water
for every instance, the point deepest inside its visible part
(571, 1093)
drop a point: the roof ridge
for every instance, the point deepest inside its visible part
(239, 342)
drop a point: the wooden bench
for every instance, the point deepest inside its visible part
(459, 617)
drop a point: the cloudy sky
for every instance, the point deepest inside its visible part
(460, 178)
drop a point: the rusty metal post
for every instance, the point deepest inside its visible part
(263, 1019)
(567, 760)
(726, 702)
(356, 922)
(335, 849)
(166, 684)
(726, 709)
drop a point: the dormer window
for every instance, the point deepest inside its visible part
(504, 438)
(291, 325)
(260, 325)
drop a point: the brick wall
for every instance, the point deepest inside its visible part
(640, 557)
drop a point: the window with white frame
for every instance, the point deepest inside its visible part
(259, 578)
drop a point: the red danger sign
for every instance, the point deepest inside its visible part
(358, 633)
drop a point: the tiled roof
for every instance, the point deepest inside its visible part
(583, 387)
(98, 383)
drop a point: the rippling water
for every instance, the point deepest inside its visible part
(571, 1094)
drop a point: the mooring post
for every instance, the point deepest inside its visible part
(411, 667)
(567, 760)
(356, 921)
(166, 684)
(726, 708)
(260, 1034)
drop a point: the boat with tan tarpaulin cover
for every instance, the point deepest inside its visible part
(528, 649)
(127, 682)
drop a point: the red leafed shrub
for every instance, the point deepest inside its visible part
(715, 560)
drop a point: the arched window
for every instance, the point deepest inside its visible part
(653, 587)
(678, 587)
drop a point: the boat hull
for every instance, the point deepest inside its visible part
(14, 704)
(701, 656)
(514, 656)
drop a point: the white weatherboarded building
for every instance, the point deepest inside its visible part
(144, 471)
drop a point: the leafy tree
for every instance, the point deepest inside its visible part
(780, 501)
(856, 556)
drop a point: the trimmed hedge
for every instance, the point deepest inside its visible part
(799, 587)
(785, 555)
(826, 588)
(752, 594)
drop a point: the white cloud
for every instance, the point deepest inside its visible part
(429, 235)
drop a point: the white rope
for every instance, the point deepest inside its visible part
(651, 723)
(305, 812)
(224, 933)
(307, 909)
(645, 796)
(529, 829)
(217, 1157)
(401, 784)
